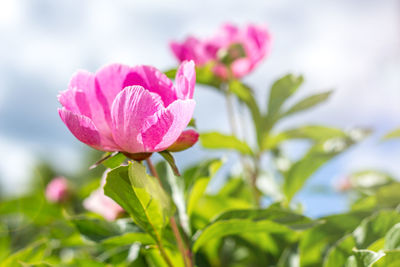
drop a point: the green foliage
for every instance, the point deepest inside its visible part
(141, 196)
(215, 140)
(236, 218)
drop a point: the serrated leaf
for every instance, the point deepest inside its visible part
(215, 140)
(307, 103)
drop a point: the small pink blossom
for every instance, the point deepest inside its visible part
(57, 190)
(101, 204)
(233, 51)
(134, 110)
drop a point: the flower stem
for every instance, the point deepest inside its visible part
(230, 108)
(186, 255)
(253, 175)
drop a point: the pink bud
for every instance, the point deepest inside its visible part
(101, 204)
(57, 190)
(187, 139)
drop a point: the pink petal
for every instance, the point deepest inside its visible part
(85, 82)
(241, 67)
(153, 80)
(85, 131)
(187, 139)
(191, 49)
(129, 112)
(75, 100)
(185, 80)
(167, 125)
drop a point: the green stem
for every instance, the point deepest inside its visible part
(186, 255)
(252, 177)
(230, 108)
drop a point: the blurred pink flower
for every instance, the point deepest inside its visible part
(343, 184)
(57, 190)
(134, 110)
(101, 204)
(232, 49)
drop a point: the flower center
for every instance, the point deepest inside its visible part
(233, 52)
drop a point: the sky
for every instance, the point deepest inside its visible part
(351, 46)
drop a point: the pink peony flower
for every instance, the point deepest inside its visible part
(134, 110)
(57, 190)
(343, 184)
(101, 204)
(233, 51)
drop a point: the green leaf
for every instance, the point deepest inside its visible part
(171, 161)
(375, 227)
(175, 187)
(316, 241)
(392, 134)
(338, 254)
(196, 193)
(307, 103)
(128, 239)
(5, 242)
(215, 140)
(386, 196)
(364, 258)
(313, 132)
(316, 157)
(281, 90)
(95, 229)
(32, 253)
(392, 238)
(235, 222)
(141, 196)
(114, 161)
(207, 168)
(391, 259)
